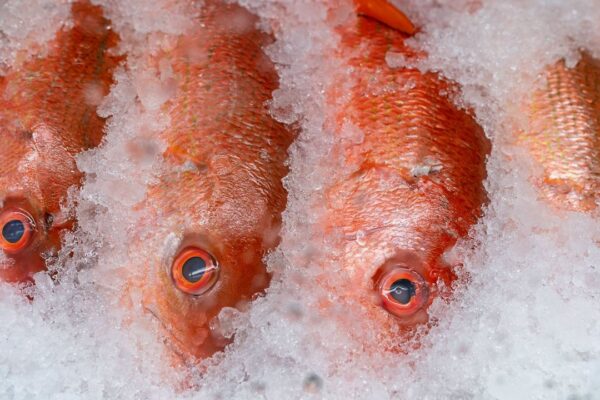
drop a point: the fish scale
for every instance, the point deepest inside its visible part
(563, 135)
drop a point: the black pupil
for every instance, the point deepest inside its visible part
(13, 231)
(193, 269)
(403, 290)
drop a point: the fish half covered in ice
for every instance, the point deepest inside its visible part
(48, 116)
(415, 178)
(564, 134)
(216, 209)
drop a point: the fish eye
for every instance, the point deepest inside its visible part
(194, 271)
(403, 292)
(17, 228)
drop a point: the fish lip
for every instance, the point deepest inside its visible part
(174, 346)
(171, 341)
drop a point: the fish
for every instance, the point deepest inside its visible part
(47, 116)
(215, 211)
(414, 180)
(563, 134)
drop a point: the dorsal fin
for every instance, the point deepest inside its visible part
(384, 12)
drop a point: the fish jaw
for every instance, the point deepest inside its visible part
(390, 224)
(21, 268)
(564, 135)
(48, 115)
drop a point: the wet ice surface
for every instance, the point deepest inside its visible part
(525, 325)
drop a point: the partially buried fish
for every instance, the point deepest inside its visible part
(564, 134)
(216, 210)
(415, 180)
(47, 116)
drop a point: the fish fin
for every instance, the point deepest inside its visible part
(383, 11)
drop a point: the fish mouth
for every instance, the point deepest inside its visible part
(20, 269)
(179, 349)
(170, 339)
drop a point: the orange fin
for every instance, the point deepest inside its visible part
(385, 12)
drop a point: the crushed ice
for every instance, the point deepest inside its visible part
(523, 323)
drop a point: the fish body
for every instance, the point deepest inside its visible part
(415, 183)
(222, 194)
(48, 116)
(564, 134)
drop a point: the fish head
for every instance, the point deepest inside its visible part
(34, 178)
(393, 242)
(211, 228)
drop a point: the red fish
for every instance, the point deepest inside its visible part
(217, 212)
(48, 115)
(416, 181)
(564, 134)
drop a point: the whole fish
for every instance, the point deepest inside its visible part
(48, 115)
(564, 134)
(415, 184)
(216, 211)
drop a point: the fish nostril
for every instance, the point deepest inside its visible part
(13, 231)
(403, 290)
